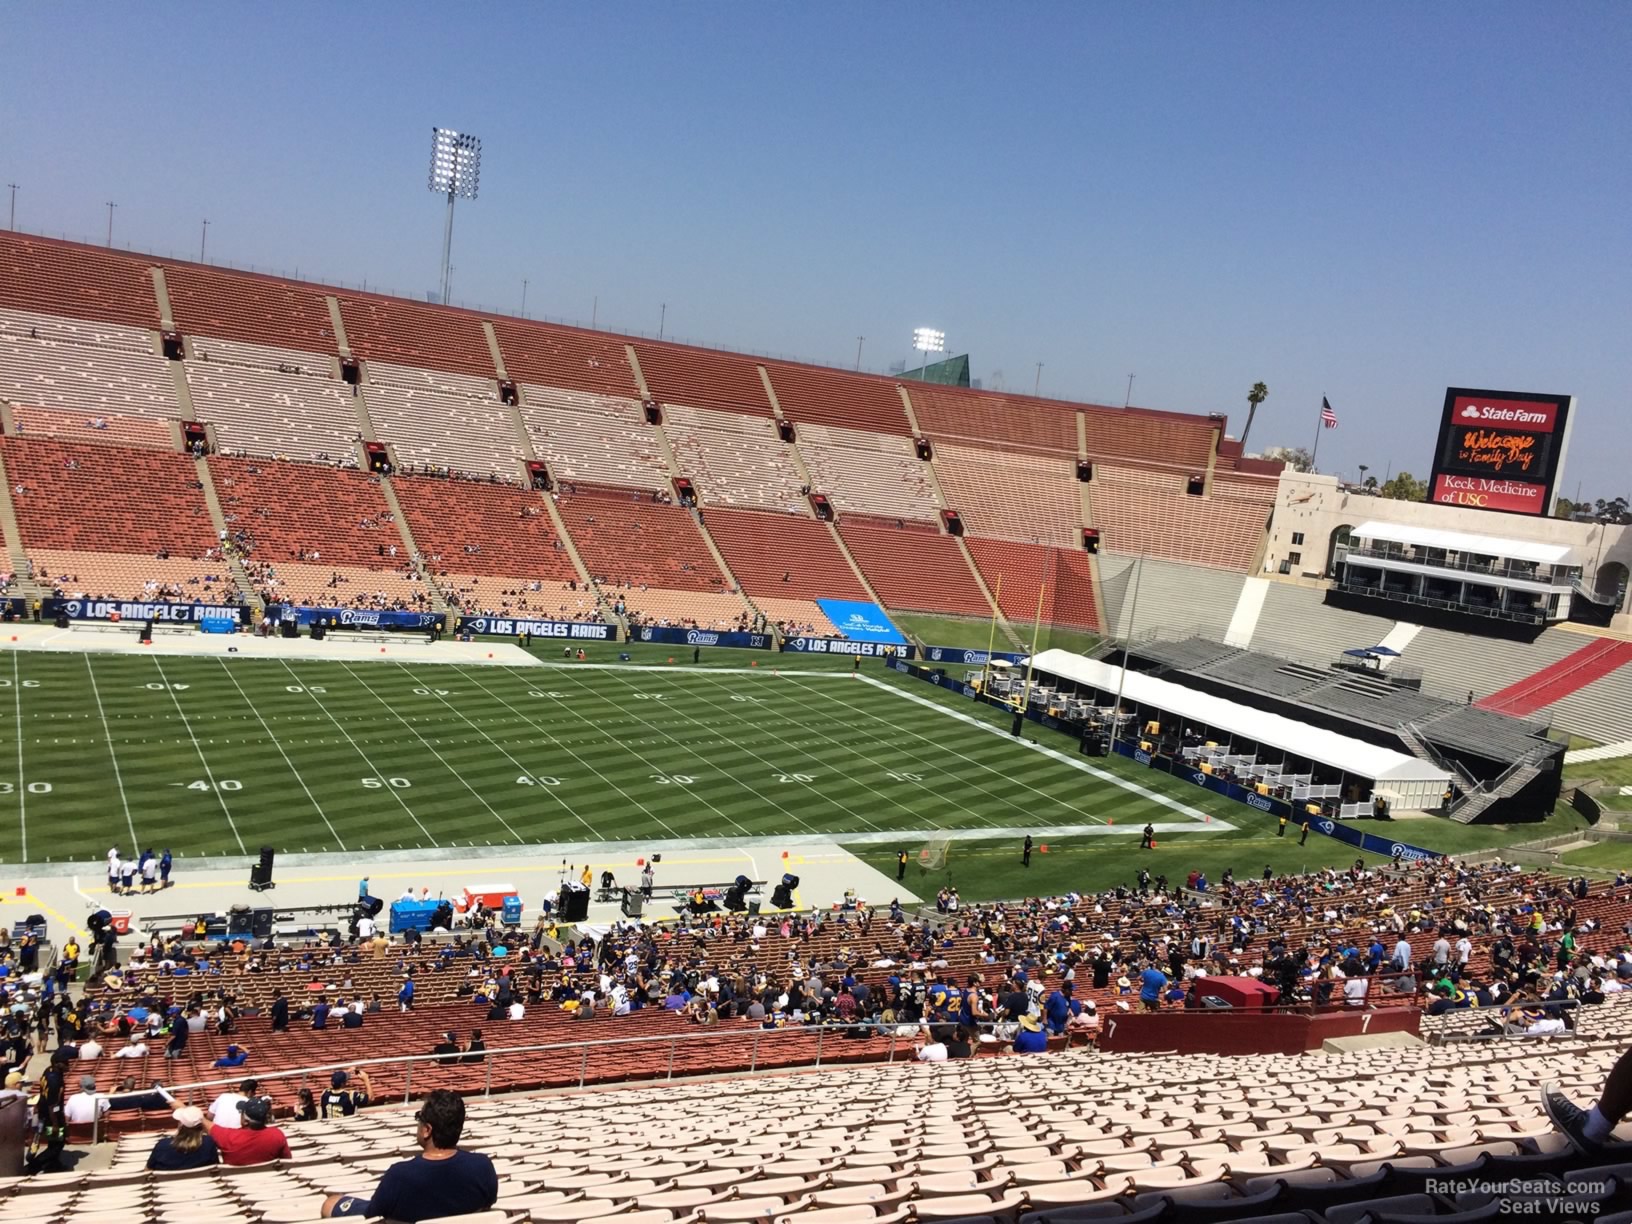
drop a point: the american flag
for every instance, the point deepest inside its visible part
(1328, 418)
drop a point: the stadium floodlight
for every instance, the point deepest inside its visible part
(456, 170)
(927, 340)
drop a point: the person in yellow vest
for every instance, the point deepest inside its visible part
(586, 879)
(1281, 832)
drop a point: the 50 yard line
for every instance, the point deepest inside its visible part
(112, 755)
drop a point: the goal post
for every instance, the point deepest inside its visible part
(932, 854)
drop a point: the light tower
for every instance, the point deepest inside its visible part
(456, 169)
(927, 340)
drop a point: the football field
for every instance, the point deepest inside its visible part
(213, 756)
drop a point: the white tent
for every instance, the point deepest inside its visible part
(1414, 783)
(1465, 543)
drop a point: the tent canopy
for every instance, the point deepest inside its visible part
(1352, 756)
(1464, 542)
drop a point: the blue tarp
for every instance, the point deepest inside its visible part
(861, 622)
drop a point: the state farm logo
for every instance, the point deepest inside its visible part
(1506, 416)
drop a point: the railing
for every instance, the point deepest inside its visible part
(1556, 575)
(1593, 596)
(899, 1042)
(1449, 605)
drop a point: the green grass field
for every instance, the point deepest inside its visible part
(209, 757)
(213, 757)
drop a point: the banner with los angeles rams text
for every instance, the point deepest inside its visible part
(134, 610)
(510, 626)
(861, 621)
(841, 646)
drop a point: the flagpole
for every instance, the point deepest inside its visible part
(1319, 423)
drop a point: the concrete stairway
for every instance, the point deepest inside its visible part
(23, 584)
(673, 466)
(212, 501)
(963, 549)
(439, 597)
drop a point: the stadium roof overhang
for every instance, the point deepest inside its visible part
(1464, 542)
(1354, 757)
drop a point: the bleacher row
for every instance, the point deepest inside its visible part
(1327, 911)
(1376, 1135)
(81, 360)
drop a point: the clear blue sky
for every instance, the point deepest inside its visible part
(1369, 202)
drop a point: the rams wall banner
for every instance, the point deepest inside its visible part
(840, 646)
(505, 626)
(968, 658)
(359, 618)
(107, 609)
(861, 622)
(673, 636)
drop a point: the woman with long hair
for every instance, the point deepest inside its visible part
(189, 1148)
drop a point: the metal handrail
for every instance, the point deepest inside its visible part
(1557, 575)
(673, 1040)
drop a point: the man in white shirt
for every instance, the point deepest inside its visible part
(1464, 952)
(224, 1109)
(84, 1105)
(930, 1048)
(136, 1049)
(365, 927)
(517, 1011)
(90, 1049)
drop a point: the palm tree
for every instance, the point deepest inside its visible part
(1256, 396)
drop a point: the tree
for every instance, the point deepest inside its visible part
(1256, 396)
(1295, 457)
(1405, 487)
(1371, 483)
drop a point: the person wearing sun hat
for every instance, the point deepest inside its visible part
(189, 1148)
(1030, 1039)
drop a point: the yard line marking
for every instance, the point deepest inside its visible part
(742, 745)
(22, 786)
(562, 744)
(112, 756)
(463, 781)
(911, 756)
(198, 748)
(396, 794)
(553, 793)
(318, 807)
(1083, 766)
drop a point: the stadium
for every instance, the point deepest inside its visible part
(670, 783)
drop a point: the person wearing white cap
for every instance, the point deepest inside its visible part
(189, 1148)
